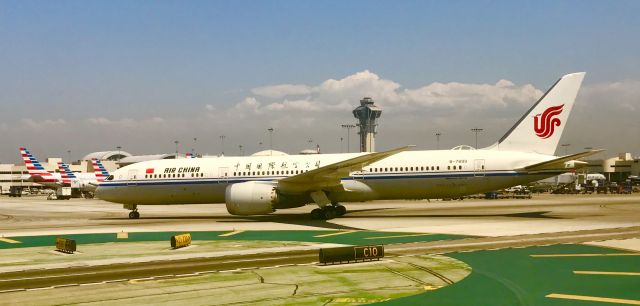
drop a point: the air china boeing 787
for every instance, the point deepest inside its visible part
(256, 185)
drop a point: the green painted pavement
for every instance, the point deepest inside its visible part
(513, 277)
(356, 238)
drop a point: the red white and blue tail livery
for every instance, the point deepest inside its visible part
(37, 173)
(66, 174)
(99, 170)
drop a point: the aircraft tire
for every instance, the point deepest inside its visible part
(340, 210)
(317, 214)
(134, 215)
(329, 212)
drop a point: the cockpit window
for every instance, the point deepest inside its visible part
(110, 178)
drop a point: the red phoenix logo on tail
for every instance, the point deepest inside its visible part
(544, 124)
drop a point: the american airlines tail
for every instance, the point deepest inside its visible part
(100, 171)
(65, 173)
(33, 165)
(540, 129)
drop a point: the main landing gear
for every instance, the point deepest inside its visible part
(328, 212)
(134, 214)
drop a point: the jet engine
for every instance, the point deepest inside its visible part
(251, 198)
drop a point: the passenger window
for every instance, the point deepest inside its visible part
(438, 168)
(482, 167)
(448, 167)
(459, 167)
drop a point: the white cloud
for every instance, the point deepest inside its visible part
(43, 124)
(249, 104)
(99, 121)
(153, 122)
(342, 95)
(283, 90)
(623, 95)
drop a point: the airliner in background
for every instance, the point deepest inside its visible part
(85, 182)
(257, 185)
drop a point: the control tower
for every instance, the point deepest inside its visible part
(367, 114)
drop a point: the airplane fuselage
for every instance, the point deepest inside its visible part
(406, 175)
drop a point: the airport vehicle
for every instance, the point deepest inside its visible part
(256, 185)
(86, 183)
(62, 193)
(15, 191)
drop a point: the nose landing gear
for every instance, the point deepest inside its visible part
(134, 214)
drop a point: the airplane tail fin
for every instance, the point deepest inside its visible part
(34, 167)
(65, 173)
(99, 170)
(539, 130)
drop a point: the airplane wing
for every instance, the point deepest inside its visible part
(330, 175)
(561, 162)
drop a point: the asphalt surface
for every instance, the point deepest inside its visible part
(487, 225)
(38, 278)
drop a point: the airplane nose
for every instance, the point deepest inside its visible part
(101, 193)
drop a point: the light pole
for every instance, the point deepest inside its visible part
(69, 156)
(119, 154)
(341, 148)
(476, 130)
(176, 142)
(348, 127)
(193, 150)
(438, 134)
(222, 137)
(270, 140)
(566, 148)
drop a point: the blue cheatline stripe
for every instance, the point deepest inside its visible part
(159, 182)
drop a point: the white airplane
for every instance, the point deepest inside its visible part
(257, 185)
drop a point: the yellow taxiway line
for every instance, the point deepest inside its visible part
(584, 255)
(231, 233)
(336, 234)
(398, 236)
(593, 299)
(7, 240)
(607, 273)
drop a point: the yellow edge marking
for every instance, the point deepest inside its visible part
(593, 298)
(584, 255)
(398, 236)
(607, 273)
(231, 233)
(7, 240)
(335, 234)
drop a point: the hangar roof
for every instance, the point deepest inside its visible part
(140, 158)
(107, 155)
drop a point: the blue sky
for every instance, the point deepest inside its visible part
(66, 61)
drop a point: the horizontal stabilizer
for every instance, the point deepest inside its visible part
(561, 163)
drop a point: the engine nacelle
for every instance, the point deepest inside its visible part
(251, 198)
